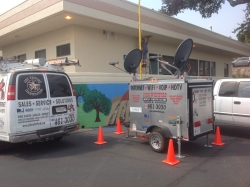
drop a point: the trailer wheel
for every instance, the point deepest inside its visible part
(157, 141)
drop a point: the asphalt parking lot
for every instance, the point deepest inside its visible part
(77, 161)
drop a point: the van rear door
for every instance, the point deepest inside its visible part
(4, 128)
(32, 102)
(63, 102)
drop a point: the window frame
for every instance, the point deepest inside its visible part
(211, 62)
(63, 45)
(166, 58)
(22, 55)
(40, 51)
(226, 74)
(203, 62)
(197, 67)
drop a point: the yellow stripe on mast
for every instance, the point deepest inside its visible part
(139, 28)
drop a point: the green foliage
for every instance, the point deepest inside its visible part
(88, 119)
(205, 7)
(81, 89)
(243, 31)
(95, 100)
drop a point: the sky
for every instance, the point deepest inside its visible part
(223, 23)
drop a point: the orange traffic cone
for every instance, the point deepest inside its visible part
(100, 139)
(217, 140)
(171, 155)
(119, 128)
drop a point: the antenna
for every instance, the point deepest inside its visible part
(180, 60)
(131, 62)
(181, 56)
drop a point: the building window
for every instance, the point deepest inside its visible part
(63, 50)
(40, 54)
(213, 69)
(193, 67)
(169, 59)
(22, 57)
(204, 68)
(225, 70)
(153, 65)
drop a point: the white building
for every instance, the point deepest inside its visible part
(101, 31)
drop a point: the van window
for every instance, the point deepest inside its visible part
(59, 86)
(244, 89)
(227, 89)
(31, 86)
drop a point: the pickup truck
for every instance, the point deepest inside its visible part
(232, 102)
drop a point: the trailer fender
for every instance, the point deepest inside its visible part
(165, 130)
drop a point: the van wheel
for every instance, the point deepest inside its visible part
(58, 138)
(157, 141)
(4, 146)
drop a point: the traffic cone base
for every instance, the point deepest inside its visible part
(119, 132)
(171, 160)
(100, 143)
(171, 163)
(217, 140)
(100, 139)
(220, 144)
(119, 128)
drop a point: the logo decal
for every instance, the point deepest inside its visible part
(71, 107)
(20, 110)
(33, 86)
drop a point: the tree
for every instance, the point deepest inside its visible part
(243, 31)
(98, 101)
(81, 90)
(205, 7)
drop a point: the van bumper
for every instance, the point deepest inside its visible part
(41, 135)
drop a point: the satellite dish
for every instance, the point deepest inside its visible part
(182, 54)
(132, 60)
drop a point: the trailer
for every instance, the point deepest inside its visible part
(180, 108)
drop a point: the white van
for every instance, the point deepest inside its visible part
(36, 104)
(232, 102)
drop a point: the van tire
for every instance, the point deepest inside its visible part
(157, 141)
(4, 146)
(58, 138)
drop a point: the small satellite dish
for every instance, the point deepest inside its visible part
(132, 60)
(182, 54)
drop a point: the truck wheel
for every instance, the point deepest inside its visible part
(157, 141)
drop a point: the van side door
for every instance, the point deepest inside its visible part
(223, 102)
(241, 104)
(32, 104)
(63, 102)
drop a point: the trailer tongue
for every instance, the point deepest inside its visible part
(179, 108)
